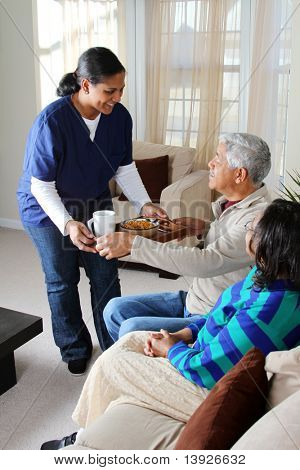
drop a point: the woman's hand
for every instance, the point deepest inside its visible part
(151, 210)
(158, 344)
(194, 226)
(161, 343)
(81, 236)
(114, 245)
(148, 345)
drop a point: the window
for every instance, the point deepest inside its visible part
(283, 85)
(65, 29)
(187, 20)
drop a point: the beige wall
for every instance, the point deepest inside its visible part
(17, 98)
(293, 154)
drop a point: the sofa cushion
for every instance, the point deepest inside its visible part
(124, 210)
(285, 369)
(233, 405)
(279, 429)
(128, 426)
(154, 174)
(181, 159)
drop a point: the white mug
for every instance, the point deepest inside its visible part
(104, 222)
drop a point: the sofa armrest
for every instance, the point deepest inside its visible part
(188, 197)
(279, 429)
(150, 430)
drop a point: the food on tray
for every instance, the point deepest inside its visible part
(138, 224)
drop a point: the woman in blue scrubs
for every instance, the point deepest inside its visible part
(75, 146)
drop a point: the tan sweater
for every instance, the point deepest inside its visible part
(223, 260)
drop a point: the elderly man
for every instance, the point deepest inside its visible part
(237, 171)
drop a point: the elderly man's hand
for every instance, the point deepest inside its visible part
(114, 245)
(194, 226)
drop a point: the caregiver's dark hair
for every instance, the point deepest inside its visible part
(277, 243)
(95, 64)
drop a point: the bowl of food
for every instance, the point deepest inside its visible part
(143, 226)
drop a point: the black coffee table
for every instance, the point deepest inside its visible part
(16, 329)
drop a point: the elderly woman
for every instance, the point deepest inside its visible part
(164, 372)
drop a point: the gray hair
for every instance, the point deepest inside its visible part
(250, 152)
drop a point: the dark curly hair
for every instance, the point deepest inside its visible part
(276, 238)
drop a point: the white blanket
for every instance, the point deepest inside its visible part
(123, 374)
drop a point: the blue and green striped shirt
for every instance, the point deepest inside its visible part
(244, 316)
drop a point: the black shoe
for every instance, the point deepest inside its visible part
(77, 366)
(59, 444)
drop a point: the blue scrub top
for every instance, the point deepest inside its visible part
(59, 149)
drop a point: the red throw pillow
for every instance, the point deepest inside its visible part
(154, 174)
(234, 404)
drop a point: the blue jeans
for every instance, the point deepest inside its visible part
(60, 262)
(149, 312)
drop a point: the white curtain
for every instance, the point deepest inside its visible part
(66, 28)
(185, 57)
(197, 85)
(269, 80)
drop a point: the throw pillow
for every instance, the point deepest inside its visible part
(233, 405)
(154, 174)
(285, 369)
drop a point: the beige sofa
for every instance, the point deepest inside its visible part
(187, 193)
(127, 426)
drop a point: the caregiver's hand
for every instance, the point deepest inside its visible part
(81, 236)
(151, 210)
(114, 245)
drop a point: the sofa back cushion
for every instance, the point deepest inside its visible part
(181, 159)
(232, 406)
(180, 163)
(285, 369)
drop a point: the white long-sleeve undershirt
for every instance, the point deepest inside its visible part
(129, 180)
(48, 198)
(126, 176)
